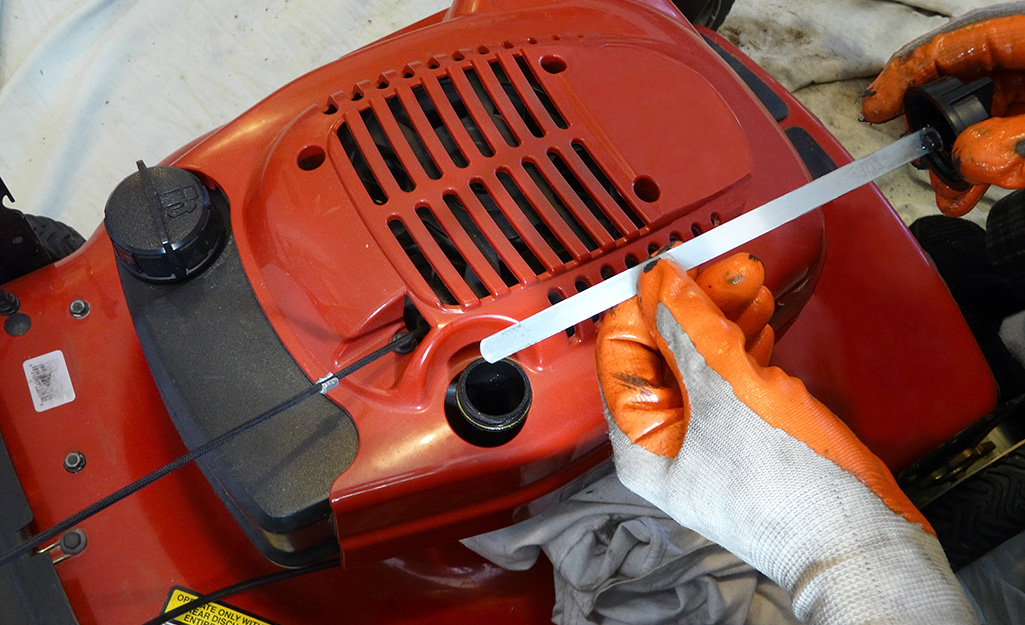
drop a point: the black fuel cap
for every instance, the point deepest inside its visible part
(163, 225)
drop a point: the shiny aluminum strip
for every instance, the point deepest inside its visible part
(711, 244)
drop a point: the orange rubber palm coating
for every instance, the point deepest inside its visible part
(736, 285)
(782, 401)
(984, 42)
(993, 151)
(640, 390)
(954, 203)
(974, 45)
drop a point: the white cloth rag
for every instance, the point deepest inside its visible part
(618, 560)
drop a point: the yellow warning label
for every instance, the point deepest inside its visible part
(210, 614)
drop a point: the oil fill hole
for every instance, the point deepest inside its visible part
(496, 390)
(488, 403)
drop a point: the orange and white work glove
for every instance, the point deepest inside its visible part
(744, 455)
(985, 42)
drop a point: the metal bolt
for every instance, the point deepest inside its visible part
(73, 542)
(74, 462)
(400, 336)
(9, 304)
(79, 308)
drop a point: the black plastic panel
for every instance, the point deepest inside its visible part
(772, 102)
(815, 158)
(218, 363)
(30, 592)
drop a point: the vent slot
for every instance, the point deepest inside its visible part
(533, 217)
(518, 224)
(451, 251)
(581, 285)
(457, 104)
(554, 298)
(483, 245)
(491, 107)
(386, 150)
(508, 231)
(559, 206)
(516, 99)
(359, 163)
(541, 94)
(606, 183)
(413, 138)
(423, 266)
(440, 129)
(585, 197)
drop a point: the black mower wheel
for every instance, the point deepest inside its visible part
(707, 13)
(58, 238)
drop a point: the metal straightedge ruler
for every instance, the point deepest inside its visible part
(712, 244)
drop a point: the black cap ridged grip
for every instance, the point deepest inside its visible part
(948, 106)
(162, 224)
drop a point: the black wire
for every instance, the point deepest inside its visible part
(15, 552)
(235, 589)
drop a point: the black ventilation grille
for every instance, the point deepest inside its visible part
(480, 178)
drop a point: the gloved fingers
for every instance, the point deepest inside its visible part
(954, 203)
(736, 285)
(1008, 93)
(760, 347)
(673, 306)
(732, 282)
(754, 318)
(974, 44)
(993, 152)
(642, 396)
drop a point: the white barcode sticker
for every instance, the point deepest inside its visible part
(49, 381)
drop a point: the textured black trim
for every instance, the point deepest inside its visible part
(814, 156)
(218, 362)
(30, 591)
(772, 102)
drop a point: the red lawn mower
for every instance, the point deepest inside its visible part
(390, 210)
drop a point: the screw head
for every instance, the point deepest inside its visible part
(79, 308)
(17, 324)
(74, 462)
(73, 542)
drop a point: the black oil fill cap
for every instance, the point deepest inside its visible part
(163, 225)
(948, 106)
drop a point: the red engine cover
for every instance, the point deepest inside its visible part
(484, 168)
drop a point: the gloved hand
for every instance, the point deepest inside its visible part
(983, 42)
(742, 454)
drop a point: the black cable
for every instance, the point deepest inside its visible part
(235, 589)
(399, 342)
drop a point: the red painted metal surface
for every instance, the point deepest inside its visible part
(644, 96)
